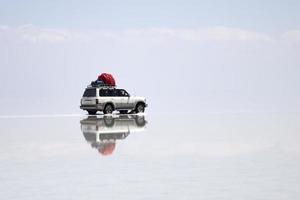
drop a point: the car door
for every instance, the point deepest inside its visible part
(117, 99)
(106, 95)
(126, 100)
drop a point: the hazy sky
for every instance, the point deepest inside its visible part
(184, 56)
(267, 15)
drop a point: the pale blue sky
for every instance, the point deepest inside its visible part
(259, 15)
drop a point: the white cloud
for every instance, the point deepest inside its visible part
(35, 34)
(201, 34)
(292, 36)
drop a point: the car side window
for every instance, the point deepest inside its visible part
(103, 93)
(125, 93)
(119, 93)
(106, 93)
(122, 93)
(113, 93)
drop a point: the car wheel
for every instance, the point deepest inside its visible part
(140, 108)
(108, 121)
(123, 111)
(140, 121)
(108, 109)
(92, 112)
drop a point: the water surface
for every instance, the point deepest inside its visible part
(229, 156)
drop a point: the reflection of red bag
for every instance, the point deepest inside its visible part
(108, 79)
(107, 148)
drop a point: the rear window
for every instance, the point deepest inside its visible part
(90, 92)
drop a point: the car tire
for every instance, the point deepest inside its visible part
(140, 121)
(140, 108)
(108, 109)
(92, 112)
(123, 111)
(109, 121)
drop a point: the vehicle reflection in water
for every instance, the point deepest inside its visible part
(102, 132)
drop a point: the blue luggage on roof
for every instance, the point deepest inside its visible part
(97, 83)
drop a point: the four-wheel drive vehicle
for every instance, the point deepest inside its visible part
(108, 99)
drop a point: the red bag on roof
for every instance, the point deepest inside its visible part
(108, 79)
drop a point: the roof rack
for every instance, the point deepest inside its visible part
(102, 86)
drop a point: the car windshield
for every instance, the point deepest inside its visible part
(90, 92)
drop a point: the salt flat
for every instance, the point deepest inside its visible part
(213, 156)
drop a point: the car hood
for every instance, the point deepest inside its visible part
(139, 98)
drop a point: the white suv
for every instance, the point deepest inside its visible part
(108, 99)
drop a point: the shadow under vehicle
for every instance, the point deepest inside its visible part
(102, 132)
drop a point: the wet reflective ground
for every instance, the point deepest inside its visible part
(230, 156)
